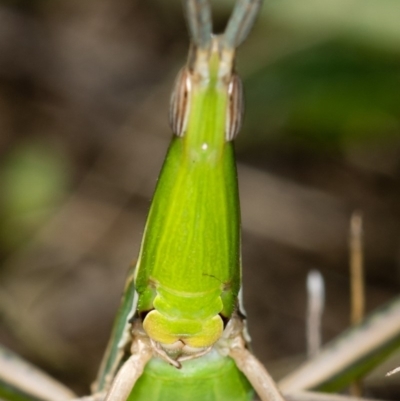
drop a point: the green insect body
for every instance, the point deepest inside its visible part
(211, 377)
(188, 273)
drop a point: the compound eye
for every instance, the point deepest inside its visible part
(234, 116)
(179, 104)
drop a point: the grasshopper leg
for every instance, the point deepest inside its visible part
(251, 367)
(262, 382)
(131, 370)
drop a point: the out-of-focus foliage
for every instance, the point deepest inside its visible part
(326, 94)
(33, 181)
(329, 70)
(373, 22)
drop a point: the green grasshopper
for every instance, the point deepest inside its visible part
(188, 334)
(180, 332)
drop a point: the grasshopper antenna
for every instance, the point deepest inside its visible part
(198, 16)
(242, 20)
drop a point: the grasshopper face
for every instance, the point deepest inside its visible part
(205, 69)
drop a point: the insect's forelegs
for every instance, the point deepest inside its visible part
(262, 382)
(131, 370)
(234, 345)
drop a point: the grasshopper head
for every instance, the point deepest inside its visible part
(211, 64)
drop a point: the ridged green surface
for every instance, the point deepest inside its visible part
(208, 378)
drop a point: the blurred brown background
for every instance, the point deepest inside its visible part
(84, 92)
